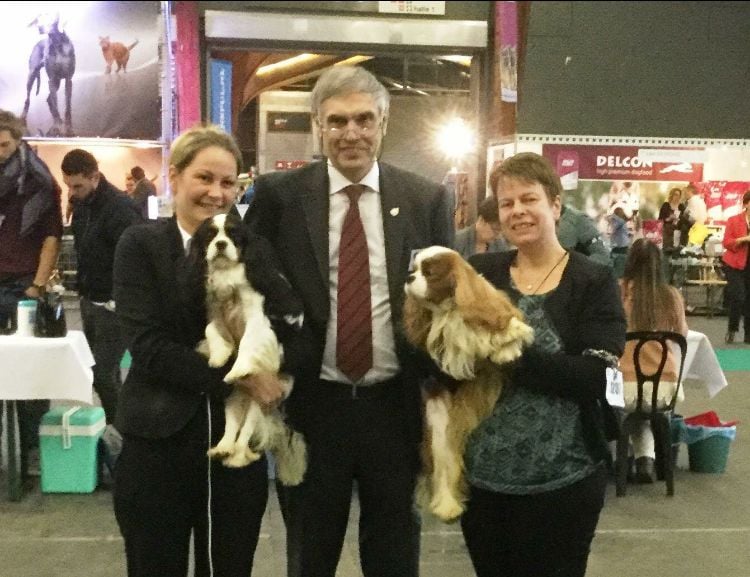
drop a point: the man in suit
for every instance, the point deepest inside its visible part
(356, 398)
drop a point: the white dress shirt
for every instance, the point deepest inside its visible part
(385, 363)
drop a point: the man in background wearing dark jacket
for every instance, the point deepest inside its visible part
(30, 231)
(101, 213)
(143, 189)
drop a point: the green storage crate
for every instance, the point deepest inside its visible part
(68, 439)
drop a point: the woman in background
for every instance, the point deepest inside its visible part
(736, 241)
(669, 215)
(171, 406)
(650, 305)
(536, 466)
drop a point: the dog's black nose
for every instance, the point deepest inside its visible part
(221, 245)
(410, 279)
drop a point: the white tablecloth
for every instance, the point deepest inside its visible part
(701, 363)
(37, 368)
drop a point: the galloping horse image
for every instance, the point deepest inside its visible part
(56, 55)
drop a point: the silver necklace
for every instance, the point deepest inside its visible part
(530, 285)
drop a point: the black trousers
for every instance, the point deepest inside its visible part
(162, 493)
(103, 335)
(738, 298)
(368, 439)
(544, 535)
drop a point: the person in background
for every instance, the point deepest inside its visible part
(669, 215)
(537, 466)
(619, 239)
(345, 231)
(31, 230)
(576, 231)
(695, 212)
(484, 235)
(143, 189)
(129, 184)
(737, 271)
(101, 213)
(171, 406)
(650, 304)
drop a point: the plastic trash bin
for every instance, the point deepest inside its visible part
(708, 440)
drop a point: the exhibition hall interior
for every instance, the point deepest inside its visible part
(639, 109)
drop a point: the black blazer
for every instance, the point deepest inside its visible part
(161, 322)
(291, 210)
(586, 310)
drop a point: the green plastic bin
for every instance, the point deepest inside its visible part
(709, 455)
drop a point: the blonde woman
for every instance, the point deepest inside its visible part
(172, 403)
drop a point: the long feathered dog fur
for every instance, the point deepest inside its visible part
(238, 325)
(470, 329)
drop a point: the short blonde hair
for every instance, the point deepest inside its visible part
(188, 144)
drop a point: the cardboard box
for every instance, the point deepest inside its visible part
(68, 439)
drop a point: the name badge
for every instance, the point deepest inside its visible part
(615, 389)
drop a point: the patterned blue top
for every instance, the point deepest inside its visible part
(532, 443)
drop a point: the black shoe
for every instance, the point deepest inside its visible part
(644, 470)
(729, 338)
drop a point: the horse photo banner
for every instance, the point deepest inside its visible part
(82, 68)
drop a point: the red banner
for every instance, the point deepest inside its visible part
(618, 163)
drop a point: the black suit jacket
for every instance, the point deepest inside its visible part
(291, 210)
(162, 322)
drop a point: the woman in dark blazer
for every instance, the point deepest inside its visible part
(172, 403)
(536, 466)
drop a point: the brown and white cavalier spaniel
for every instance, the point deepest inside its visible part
(470, 329)
(239, 326)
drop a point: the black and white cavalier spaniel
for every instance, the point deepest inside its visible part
(470, 329)
(239, 326)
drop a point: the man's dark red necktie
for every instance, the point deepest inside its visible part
(354, 327)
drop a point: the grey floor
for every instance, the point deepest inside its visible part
(703, 531)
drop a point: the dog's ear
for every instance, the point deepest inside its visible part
(416, 321)
(479, 303)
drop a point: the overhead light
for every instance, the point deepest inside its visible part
(458, 59)
(353, 60)
(286, 63)
(455, 138)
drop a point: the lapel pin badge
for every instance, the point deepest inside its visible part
(395, 211)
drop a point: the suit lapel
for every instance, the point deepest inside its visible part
(314, 198)
(394, 220)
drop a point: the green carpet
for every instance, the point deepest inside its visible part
(734, 359)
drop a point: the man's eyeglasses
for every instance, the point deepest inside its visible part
(363, 124)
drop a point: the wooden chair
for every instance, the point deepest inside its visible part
(659, 415)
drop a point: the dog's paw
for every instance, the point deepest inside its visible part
(447, 509)
(219, 354)
(241, 368)
(240, 459)
(423, 492)
(202, 348)
(216, 453)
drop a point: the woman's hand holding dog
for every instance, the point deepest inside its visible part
(265, 388)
